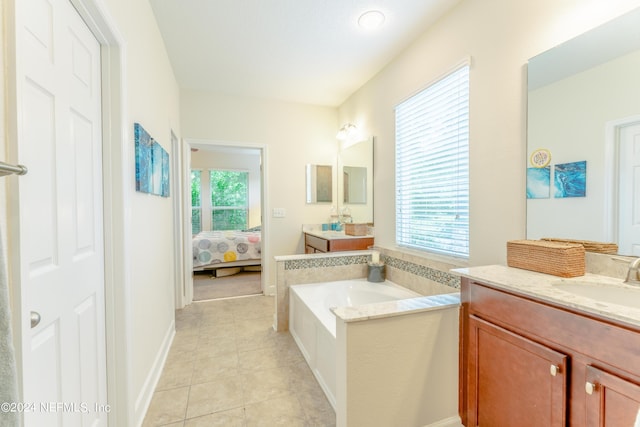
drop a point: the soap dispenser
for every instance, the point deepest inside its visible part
(333, 218)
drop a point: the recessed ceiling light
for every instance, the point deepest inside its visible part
(371, 19)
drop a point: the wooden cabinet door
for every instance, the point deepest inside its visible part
(514, 381)
(611, 401)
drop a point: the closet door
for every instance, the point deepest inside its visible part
(61, 216)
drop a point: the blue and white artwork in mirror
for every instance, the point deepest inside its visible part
(538, 183)
(570, 179)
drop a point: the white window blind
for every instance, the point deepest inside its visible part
(432, 167)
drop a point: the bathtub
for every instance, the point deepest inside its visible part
(312, 322)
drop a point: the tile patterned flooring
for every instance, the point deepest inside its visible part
(228, 367)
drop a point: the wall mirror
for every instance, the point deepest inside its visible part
(584, 110)
(355, 180)
(319, 183)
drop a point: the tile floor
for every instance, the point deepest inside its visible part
(228, 367)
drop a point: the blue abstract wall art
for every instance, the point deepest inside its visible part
(539, 183)
(152, 164)
(570, 179)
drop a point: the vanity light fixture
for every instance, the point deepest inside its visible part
(372, 19)
(346, 132)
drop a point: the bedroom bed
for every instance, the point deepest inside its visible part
(213, 250)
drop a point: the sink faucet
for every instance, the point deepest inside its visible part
(633, 275)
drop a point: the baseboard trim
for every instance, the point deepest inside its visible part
(454, 421)
(146, 394)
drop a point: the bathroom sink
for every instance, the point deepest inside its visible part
(619, 294)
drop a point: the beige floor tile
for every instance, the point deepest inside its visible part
(260, 339)
(216, 318)
(231, 418)
(167, 407)
(241, 372)
(249, 308)
(216, 396)
(222, 330)
(282, 411)
(259, 360)
(211, 346)
(220, 366)
(217, 305)
(176, 373)
(265, 385)
(254, 325)
(188, 323)
(184, 341)
(315, 404)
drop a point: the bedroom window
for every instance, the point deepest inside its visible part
(229, 199)
(432, 167)
(196, 202)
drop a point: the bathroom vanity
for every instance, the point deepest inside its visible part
(538, 350)
(334, 241)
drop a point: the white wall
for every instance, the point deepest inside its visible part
(152, 99)
(220, 159)
(500, 36)
(294, 135)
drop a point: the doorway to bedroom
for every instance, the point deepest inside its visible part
(226, 220)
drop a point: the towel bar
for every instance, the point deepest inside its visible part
(7, 169)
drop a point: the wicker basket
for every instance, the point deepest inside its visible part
(557, 258)
(589, 246)
(355, 229)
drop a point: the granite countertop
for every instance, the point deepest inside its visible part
(397, 308)
(543, 287)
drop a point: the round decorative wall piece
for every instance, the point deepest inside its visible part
(540, 158)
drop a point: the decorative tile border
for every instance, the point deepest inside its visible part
(300, 264)
(438, 276)
(441, 277)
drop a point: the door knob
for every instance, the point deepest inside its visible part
(35, 319)
(554, 370)
(590, 387)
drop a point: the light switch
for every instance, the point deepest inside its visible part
(279, 212)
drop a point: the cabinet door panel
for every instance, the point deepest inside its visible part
(611, 400)
(513, 380)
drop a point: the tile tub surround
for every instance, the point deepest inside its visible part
(410, 271)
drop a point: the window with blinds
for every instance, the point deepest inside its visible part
(432, 167)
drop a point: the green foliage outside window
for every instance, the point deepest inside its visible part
(196, 210)
(229, 199)
(195, 188)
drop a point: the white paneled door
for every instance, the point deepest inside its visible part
(629, 191)
(61, 216)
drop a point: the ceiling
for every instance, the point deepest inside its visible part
(305, 51)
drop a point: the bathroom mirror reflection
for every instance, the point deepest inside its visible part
(355, 180)
(319, 183)
(584, 106)
(354, 185)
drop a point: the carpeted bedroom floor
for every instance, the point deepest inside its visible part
(206, 287)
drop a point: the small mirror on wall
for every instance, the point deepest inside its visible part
(319, 183)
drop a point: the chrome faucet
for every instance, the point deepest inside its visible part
(633, 275)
